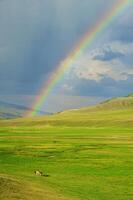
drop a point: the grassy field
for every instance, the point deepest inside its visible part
(88, 155)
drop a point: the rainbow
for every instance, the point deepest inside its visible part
(84, 43)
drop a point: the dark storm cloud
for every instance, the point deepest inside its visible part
(36, 35)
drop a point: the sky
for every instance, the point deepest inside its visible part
(35, 36)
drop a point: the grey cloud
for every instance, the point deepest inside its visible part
(37, 34)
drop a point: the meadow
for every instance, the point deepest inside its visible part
(86, 156)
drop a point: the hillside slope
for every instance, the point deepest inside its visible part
(86, 153)
(113, 112)
(13, 189)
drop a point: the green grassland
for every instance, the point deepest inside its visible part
(87, 153)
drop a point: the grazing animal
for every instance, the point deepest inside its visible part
(38, 173)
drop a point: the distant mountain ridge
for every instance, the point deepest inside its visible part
(11, 110)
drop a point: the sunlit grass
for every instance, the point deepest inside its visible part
(88, 155)
(83, 163)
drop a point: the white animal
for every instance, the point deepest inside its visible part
(38, 173)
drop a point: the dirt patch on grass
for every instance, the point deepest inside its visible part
(12, 189)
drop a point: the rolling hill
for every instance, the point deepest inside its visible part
(115, 111)
(86, 153)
